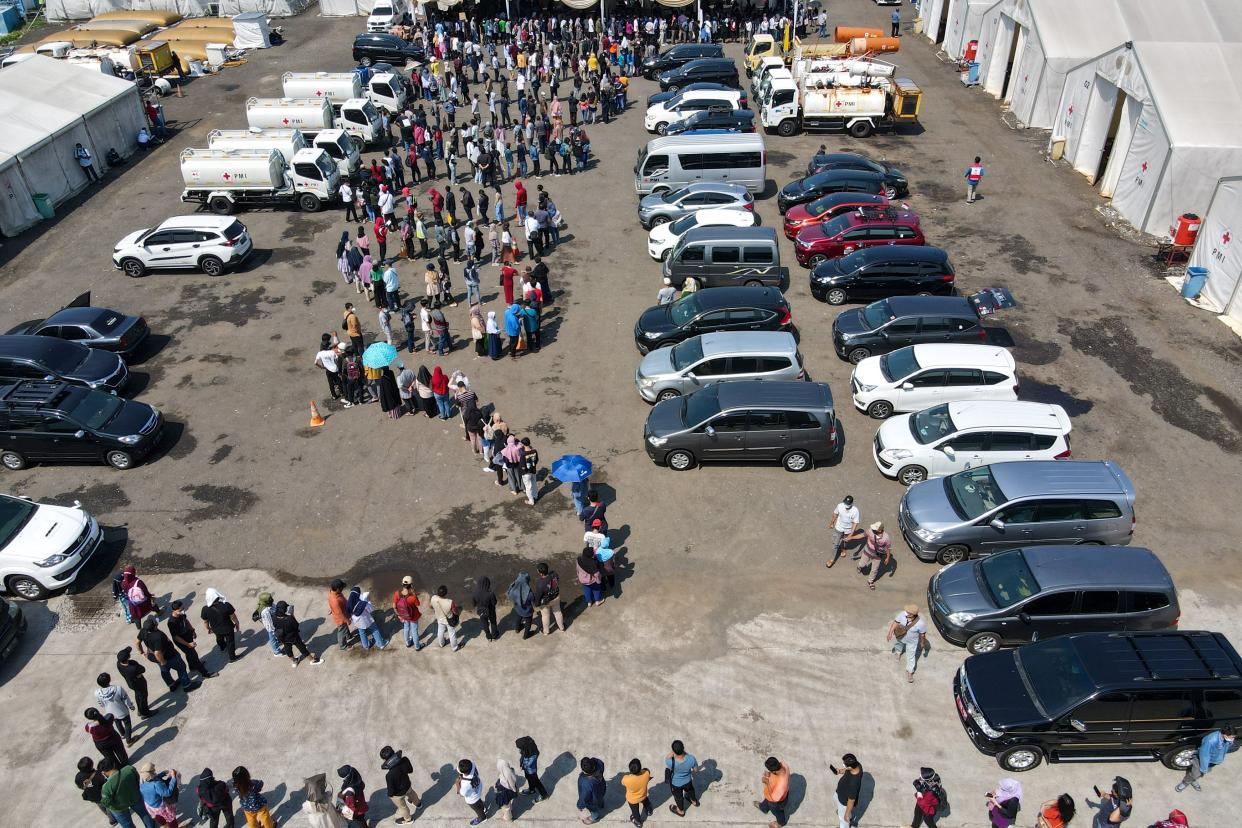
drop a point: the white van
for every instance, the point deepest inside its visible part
(686, 103)
(921, 376)
(668, 163)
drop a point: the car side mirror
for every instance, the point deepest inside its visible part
(907, 386)
(709, 431)
(1024, 617)
(997, 524)
(690, 376)
(949, 452)
(79, 434)
(1078, 725)
(48, 378)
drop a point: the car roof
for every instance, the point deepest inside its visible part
(837, 157)
(714, 187)
(727, 297)
(80, 316)
(1065, 566)
(773, 394)
(961, 355)
(1128, 658)
(741, 140)
(198, 221)
(864, 216)
(930, 305)
(725, 215)
(707, 63)
(1004, 414)
(839, 174)
(730, 233)
(747, 342)
(1035, 478)
(902, 252)
(737, 114)
(33, 347)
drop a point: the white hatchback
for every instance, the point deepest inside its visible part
(211, 244)
(950, 437)
(664, 237)
(920, 376)
(43, 547)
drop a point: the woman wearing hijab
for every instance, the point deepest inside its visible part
(440, 389)
(353, 796)
(506, 789)
(478, 331)
(364, 274)
(135, 593)
(485, 606)
(590, 578)
(528, 759)
(523, 604)
(353, 257)
(318, 805)
(472, 419)
(360, 612)
(493, 336)
(513, 328)
(928, 796)
(422, 388)
(1004, 803)
(343, 249)
(500, 438)
(389, 395)
(513, 454)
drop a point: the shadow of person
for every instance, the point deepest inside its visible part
(865, 797)
(709, 774)
(562, 766)
(443, 781)
(797, 792)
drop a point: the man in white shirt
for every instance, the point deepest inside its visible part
(531, 227)
(908, 632)
(347, 198)
(845, 519)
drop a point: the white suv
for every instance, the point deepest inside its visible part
(384, 15)
(961, 435)
(682, 106)
(664, 237)
(211, 244)
(43, 547)
(920, 376)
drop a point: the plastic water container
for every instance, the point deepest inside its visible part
(11, 18)
(43, 203)
(1192, 285)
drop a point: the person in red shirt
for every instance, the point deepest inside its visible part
(405, 605)
(507, 274)
(381, 239)
(520, 200)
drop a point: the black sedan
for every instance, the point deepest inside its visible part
(38, 357)
(101, 328)
(709, 310)
(895, 179)
(707, 86)
(805, 190)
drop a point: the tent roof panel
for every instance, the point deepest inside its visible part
(1197, 89)
(1074, 29)
(1191, 21)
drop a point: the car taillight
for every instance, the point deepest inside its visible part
(229, 243)
(983, 333)
(764, 160)
(1065, 455)
(786, 316)
(1177, 620)
(832, 434)
(948, 277)
(750, 205)
(1133, 521)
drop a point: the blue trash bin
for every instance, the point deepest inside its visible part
(1192, 285)
(972, 73)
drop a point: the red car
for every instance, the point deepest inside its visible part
(865, 227)
(826, 207)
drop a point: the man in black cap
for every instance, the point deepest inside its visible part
(132, 672)
(213, 796)
(288, 634)
(1115, 806)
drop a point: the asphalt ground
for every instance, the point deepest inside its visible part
(729, 632)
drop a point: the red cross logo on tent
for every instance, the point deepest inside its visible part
(1071, 110)
(285, 121)
(1224, 237)
(1144, 166)
(1025, 78)
(226, 176)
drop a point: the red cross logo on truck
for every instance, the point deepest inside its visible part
(285, 121)
(226, 176)
(837, 104)
(1071, 110)
(318, 93)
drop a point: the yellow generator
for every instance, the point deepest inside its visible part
(906, 100)
(152, 57)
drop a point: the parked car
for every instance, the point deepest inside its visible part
(374, 47)
(44, 358)
(827, 207)
(715, 119)
(664, 236)
(806, 190)
(792, 423)
(1003, 506)
(1040, 592)
(889, 324)
(716, 69)
(727, 257)
(921, 376)
(1101, 697)
(689, 102)
(659, 208)
(898, 186)
(950, 437)
(709, 86)
(43, 547)
(678, 55)
(101, 328)
(12, 628)
(212, 244)
(857, 230)
(712, 309)
(705, 360)
(883, 271)
(53, 421)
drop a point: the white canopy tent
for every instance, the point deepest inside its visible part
(345, 8)
(17, 210)
(65, 10)
(1218, 249)
(965, 19)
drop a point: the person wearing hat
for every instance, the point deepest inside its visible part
(290, 635)
(120, 794)
(1114, 808)
(318, 805)
(1176, 820)
(214, 799)
(1213, 749)
(159, 793)
(845, 519)
(336, 608)
(264, 612)
(908, 632)
(594, 535)
(397, 770)
(405, 604)
(354, 804)
(877, 552)
(666, 294)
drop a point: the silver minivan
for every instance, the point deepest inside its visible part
(710, 358)
(674, 161)
(1001, 506)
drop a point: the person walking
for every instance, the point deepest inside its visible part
(1113, 808)
(849, 786)
(877, 553)
(845, 520)
(590, 577)
(1213, 748)
(137, 596)
(353, 794)
(679, 768)
(250, 798)
(635, 783)
(529, 471)
(326, 358)
(159, 793)
(522, 598)
(406, 606)
(470, 789)
(160, 647)
(361, 615)
(115, 702)
(485, 605)
(220, 620)
(929, 799)
(132, 672)
(185, 638)
(289, 634)
(1003, 803)
(908, 632)
(214, 800)
(120, 794)
(397, 770)
(352, 327)
(506, 789)
(896, 20)
(974, 174)
(104, 736)
(447, 616)
(775, 791)
(1057, 813)
(470, 276)
(336, 609)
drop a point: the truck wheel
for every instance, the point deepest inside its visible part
(211, 265)
(358, 143)
(861, 129)
(787, 128)
(1021, 758)
(220, 205)
(133, 268)
(308, 203)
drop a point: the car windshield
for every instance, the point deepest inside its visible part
(683, 224)
(687, 353)
(107, 321)
(701, 407)
(930, 425)
(1055, 674)
(836, 226)
(95, 409)
(973, 492)
(684, 309)
(877, 313)
(64, 360)
(382, 11)
(898, 364)
(1008, 578)
(14, 513)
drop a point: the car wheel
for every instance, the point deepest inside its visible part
(308, 203)
(366, 60)
(13, 461)
(680, 460)
(1020, 758)
(211, 265)
(664, 254)
(658, 220)
(817, 260)
(909, 475)
(220, 205)
(952, 553)
(1179, 758)
(661, 128)
(787, 128)
(890, 192)
(984, 642)
(880, 410)
(667, 394)
(796, 461)
(857, 355)
(674, 89)
(753, 283)
(121, 460)
(836, 296)
(133, 268)
(27, 587)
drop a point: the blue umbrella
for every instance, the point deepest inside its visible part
(379, 355)
(572, 468)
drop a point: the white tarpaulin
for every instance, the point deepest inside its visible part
(63, 10)
(345, 8)
(17, 210)
(934, 14)
(965, 20)
(1219, 251)
(250, 31)
(271, 8)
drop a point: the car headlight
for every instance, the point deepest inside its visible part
(896, 454)
(651, 334)
(992, 733)
(865, 388)
(54, 560)
(645, 382)
(926, 535)
(130, 439)
(960, 618)
(656, 441)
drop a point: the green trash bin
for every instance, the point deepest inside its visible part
(43, 204)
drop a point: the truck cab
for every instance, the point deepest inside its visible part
(313, 171)
(779, 102)
(344, 153)
(359, 118)
(387, 91)
(760, 46)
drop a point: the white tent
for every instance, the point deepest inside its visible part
(1219, 251)
(344, 8)
(17, 210)
(965, 19)
(935, 16)
(271, 8)
(63, 10)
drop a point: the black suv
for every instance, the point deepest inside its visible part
(44, 358)
(885, 270)
(55, 421)
(896, 322)
(1130, 696)
(720, 70)
(808, 189)
(376, 47)
(680, 55)
(712, 309)
(895, 179)
(719, 119)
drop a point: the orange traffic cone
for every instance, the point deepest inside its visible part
(316, 418)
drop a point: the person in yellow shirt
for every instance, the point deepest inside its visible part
(775, 791)
(521, 61)
(592, 64)
(635, 783)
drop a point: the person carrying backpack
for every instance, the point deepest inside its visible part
(351, 370)
(141, 603)
(547, 597)
(214, 800)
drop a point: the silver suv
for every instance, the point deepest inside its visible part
(659, 208)
(710, 358)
